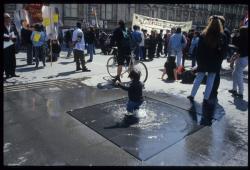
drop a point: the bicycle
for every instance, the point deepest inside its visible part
(133, 64)
(233, 55)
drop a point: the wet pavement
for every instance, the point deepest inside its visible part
(72, 121)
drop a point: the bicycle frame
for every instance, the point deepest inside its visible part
(130, 65)
(112, 62)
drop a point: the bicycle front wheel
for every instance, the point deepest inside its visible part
(140, 66)
(112, 66)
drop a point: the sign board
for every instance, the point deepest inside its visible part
(101, 23)
(93, 22)
(35, 13)
(105, 24)
(157, 24)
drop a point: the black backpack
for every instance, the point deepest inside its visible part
(126, 41)
(187, 77)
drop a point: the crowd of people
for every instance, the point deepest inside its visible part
(207, 49)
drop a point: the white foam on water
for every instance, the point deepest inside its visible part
(152, 137)
(6, 147)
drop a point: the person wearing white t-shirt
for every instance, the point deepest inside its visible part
(79, 44)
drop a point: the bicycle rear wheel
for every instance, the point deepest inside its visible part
(140, 66)
(112, 66)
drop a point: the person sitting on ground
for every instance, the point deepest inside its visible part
(134, 92)
(170, 69)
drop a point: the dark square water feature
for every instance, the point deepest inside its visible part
(160, 125)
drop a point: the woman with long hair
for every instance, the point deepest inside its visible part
(209, 55)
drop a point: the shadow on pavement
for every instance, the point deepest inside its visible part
(193, 111)
(28, 69)
(66, 73)
(240, 104)
(210, 112)
(207, 114)
(21, 65)
(65, 63)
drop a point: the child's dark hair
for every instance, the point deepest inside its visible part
(135, 75)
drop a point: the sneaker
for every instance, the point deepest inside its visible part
(232, 91)
(117, 78)
(86, 70)
(89, 61)
(14, 75)
(8, 76)
(239, 95)
(191, 98)
(78, 68)
(205, 101)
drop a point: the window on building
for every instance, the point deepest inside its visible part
(70, 10)
(103, 11)
(203, 6)
(109, 11)
(154, 12)
(170, 15)
(234, 10)
(209, 7)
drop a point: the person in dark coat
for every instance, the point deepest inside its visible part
(90, 40)
(209, 56)
(26, 42)
(152, 45)
(159, 43)
(240, 63)
(9, 48)
(226, 39)
(121, 38)
(68, 41)
(134, 92)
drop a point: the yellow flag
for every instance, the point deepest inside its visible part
(46, 22)
(55, 18)
(36, 37)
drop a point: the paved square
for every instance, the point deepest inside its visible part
(160, 125)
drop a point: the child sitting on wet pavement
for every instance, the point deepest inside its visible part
(134, 93)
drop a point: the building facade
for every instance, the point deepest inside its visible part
(107, 15)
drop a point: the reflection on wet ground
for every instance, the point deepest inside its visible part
(35, 123)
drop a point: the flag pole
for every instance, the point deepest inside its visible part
(50, 39)
(97, 25)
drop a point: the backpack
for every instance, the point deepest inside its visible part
(126, 41)
(183, 42)
(187, 77)
(170, 65)
(79, 36)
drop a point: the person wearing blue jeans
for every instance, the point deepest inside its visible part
(38, 38)
(176, 43)
(209, 84)
(209, 55)
(240, 63)
(193, 47)
(90, 40)
(137, 39)
(91, 52)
